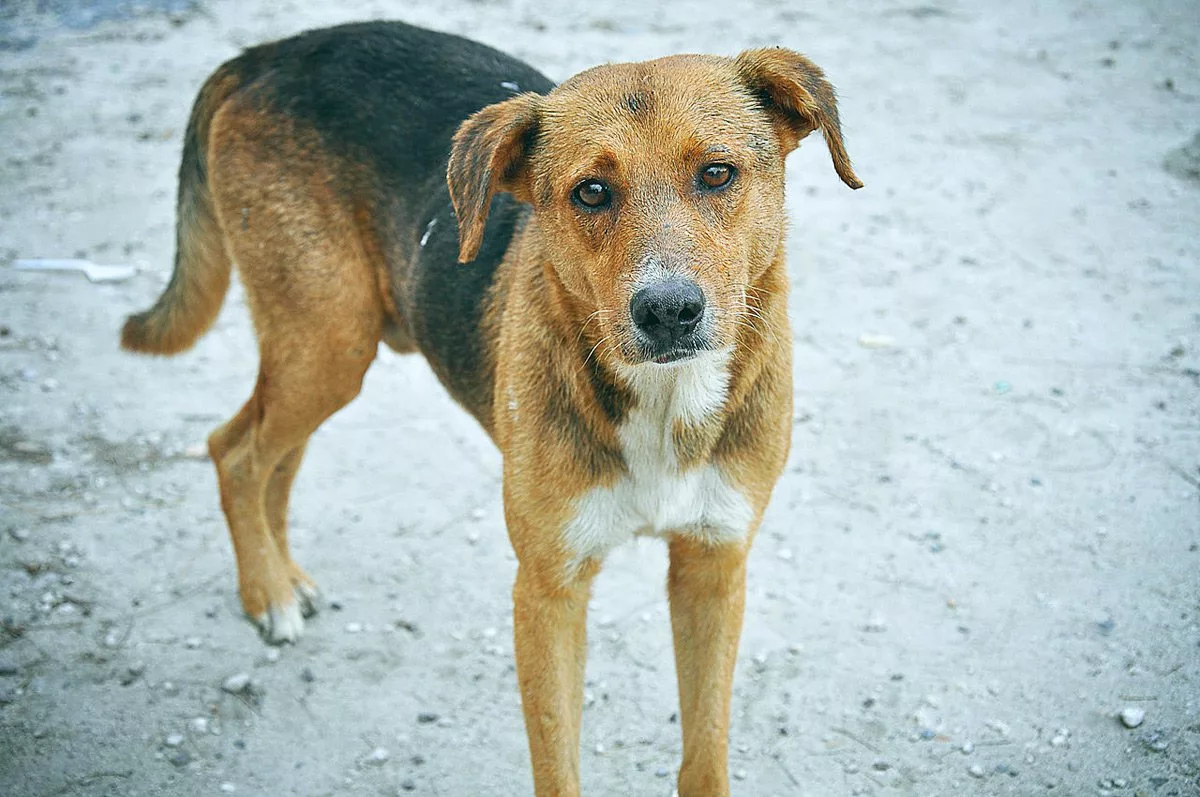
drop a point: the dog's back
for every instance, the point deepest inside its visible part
(363, 114)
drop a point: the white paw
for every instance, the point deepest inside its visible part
(282, 623)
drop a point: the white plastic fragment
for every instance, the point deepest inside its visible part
(93, 271)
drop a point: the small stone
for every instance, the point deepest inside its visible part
(785, 554)
(180, 758)
(661, 772)
(408, 784)
(478, 514)
(237, 683)
(20, 535)
(272, 655)
(192, 642)
(881, 766)
(198, 451)
(174, 740)
(967, 747)
(739, 774)
(353, 628)
(198, 725)
(137, 669)
(426, 717)
(975, 771)
(228, 788)
(876, 623)
(378, 756)
(870, 340)
(1132, 716)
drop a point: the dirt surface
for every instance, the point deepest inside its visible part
(985, 546)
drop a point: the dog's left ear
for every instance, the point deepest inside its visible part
(796, 93)
(489, 155)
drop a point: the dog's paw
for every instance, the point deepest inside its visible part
(307, 596)
(282, 623)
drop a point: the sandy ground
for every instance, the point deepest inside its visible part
(984, 548)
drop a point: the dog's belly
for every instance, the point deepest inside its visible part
(654, 496)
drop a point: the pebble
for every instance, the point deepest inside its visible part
(426, 717)
(236, 683)
(137, 668)
(378, 756)
(199, 451)
(353, 628)
(272, 655)
(661, 772)
(739, 774)
(876, 624)
(180, 758)
(967, 748)
(199, 725)
(174, 740)
(192, 642)
(20, 535)
(1132, 716)
(975, 771)
(408, 784)
(228, 788)
(870, 340)
(881, 766)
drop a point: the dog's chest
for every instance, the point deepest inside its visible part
(655, 496)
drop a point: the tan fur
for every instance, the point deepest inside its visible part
(558, 335)
(193, 298)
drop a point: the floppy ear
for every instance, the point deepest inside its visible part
(796, 93)
(489, 155)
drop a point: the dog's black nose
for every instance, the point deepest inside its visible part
(667, 310)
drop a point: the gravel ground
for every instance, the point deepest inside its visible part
(979, 575)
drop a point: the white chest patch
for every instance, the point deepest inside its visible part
(654, 496)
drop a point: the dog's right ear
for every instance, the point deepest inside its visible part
(490, 154)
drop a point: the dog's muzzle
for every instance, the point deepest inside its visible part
(668, 316)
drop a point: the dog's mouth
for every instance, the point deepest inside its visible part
(675, 356)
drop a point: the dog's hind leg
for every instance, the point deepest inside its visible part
(279, 489)
(305, 377)
(314, 297)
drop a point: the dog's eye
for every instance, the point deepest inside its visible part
(716, 175)
(592, 195)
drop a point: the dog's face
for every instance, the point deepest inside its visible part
(657, 188)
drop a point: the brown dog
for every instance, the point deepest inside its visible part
(621, 329)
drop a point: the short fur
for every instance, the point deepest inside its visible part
(335, 169)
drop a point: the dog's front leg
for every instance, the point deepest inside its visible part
(707, 586)
(550, 635)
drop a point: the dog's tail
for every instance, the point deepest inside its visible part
(193, 297)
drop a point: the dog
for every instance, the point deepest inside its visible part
(594, 270)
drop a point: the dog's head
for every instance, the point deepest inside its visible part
(657, 188)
